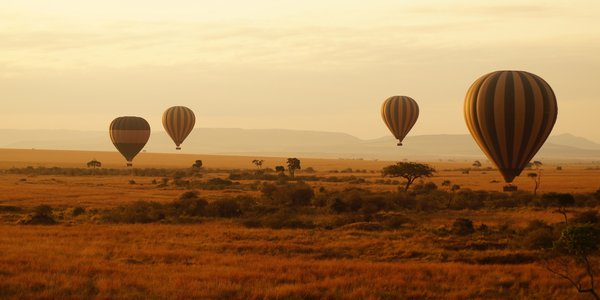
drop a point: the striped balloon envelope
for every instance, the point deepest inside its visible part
(400, 114)
(129, 135)
(510, 114)
(179, 122)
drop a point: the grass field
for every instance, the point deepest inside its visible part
(223, 261)
(84, 257)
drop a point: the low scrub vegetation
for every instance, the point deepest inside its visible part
(318, 221)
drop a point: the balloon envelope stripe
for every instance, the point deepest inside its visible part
(509, 123)
(520, 111)
(399, 114)
(178, 121)
(487, 117)
(510, 115)
(129, 135)
(530, 119)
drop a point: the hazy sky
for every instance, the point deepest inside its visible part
(316, 65)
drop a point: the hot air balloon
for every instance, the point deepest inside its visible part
(399, 114)
(178, 122)
(510, 114)
(129, 135)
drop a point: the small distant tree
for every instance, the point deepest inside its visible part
(572, 257)
(258, 163)
(197, 165)
(279, 169)
(536, 179)
(455, 187)
(94, 164)
(536, 176)
(476, 164)
(293, 164)
(409, 171)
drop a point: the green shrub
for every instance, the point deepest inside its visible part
(337, 205)
(10, 208)
(589, 217)
(224, 208)
(78, 210)
(137, 212)
(579, 240)
(462, 226)
(468, 199)
(284, 218)
(424, 188)
(302, 194)
(190, 204)
(42, 215)
(298, 194)
(557, 200)
(429, 202)
(538, 239)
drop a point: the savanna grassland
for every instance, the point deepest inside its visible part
(338, 230)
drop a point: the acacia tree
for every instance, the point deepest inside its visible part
(536, 176)
(197, 165)
(293, 165)
(94, 164)
(577, 247)
(446, 182)
(476, 164)
(258, 163)
(536, 180)
(409, 171)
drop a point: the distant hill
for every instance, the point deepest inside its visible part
(570, 140)
(279, 142)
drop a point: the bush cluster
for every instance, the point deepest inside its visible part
(188, 207)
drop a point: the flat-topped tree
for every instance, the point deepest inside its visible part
(94, 164)
(197, 165)
(409, 171)
(258, 163)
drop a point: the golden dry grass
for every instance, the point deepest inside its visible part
(219, 260)
(223, 260)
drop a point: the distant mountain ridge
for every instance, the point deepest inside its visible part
(282, 142)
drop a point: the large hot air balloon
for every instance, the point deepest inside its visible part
(400, 114)
(178, 122)
(129, 135)
(510, 115)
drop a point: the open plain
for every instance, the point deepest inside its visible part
(126, 241)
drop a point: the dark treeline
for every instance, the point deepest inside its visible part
(144, 172)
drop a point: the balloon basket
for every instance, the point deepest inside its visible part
(510, 188)
(129, 164)
(399, 144)
(177, 148)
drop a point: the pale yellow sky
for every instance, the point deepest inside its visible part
(315, 65)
